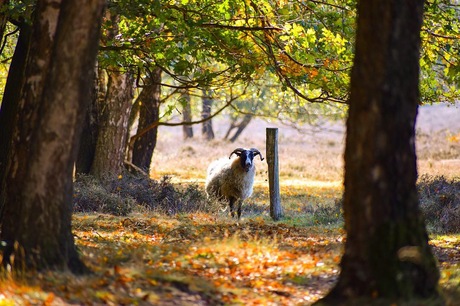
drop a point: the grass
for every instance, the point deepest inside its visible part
(165, 244)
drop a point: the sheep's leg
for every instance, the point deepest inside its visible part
(240, 203)
(232, 202)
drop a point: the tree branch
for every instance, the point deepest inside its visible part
(239, 28)
(5, 38)
(158, 123)
(440, 35)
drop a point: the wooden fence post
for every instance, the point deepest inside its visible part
(273, 173)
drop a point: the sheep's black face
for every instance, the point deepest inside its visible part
(246, 159)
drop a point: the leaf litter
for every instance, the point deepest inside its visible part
(198, 259)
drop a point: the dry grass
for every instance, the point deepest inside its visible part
(303, 157)
(313, 155)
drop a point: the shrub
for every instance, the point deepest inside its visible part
(91, 196)
(326, 214)
(440, 202)
(120, 195)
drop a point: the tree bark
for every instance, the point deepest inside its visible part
(24, 88)
(11, 96)
(149, 112)
(187, 115)
(38, 189)
(387, 255)
(113, 125)
(88, 139)
(207, 129)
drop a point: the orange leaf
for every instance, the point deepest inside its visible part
(49, 299)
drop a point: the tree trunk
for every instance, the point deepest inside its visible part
(231, 127)
(38, 189)
(238, 126)
(207, 130)
(88, 139)
(149, 112)
(387, 255)
(11, 95)
(113, 125)
(187, 115)
(241, 126)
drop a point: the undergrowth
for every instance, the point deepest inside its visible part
(122, 195)
(119, 196)
(440, 203)
(125, 194)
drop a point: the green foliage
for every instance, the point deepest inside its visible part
(8, 43)
(277, 55)
(225, 46)
(19, 11)
(440, 66)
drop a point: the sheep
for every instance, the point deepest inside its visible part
(232, 179)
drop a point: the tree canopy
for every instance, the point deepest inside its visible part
(302, 48)
(299, 51)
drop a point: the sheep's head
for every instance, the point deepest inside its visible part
(246, 157)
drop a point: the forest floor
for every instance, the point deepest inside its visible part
(205, 258)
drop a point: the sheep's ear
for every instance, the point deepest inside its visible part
(237, 151)
(257, 152)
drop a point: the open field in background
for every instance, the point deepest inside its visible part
(202, 257)
(309, 154)
(310, 158)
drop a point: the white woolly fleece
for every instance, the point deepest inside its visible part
(226, 178)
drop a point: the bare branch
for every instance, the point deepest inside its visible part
(239, 28)
(5, 38)
(158, 123)
(440, 35)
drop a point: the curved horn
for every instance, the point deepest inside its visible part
(237, 151)
(257, 152)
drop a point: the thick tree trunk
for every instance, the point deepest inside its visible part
(187, 115)
(149, 112)
(38, 199)
(207, 130)
(88, 139)
(11, 96)
(387, 254)
(113, 125)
